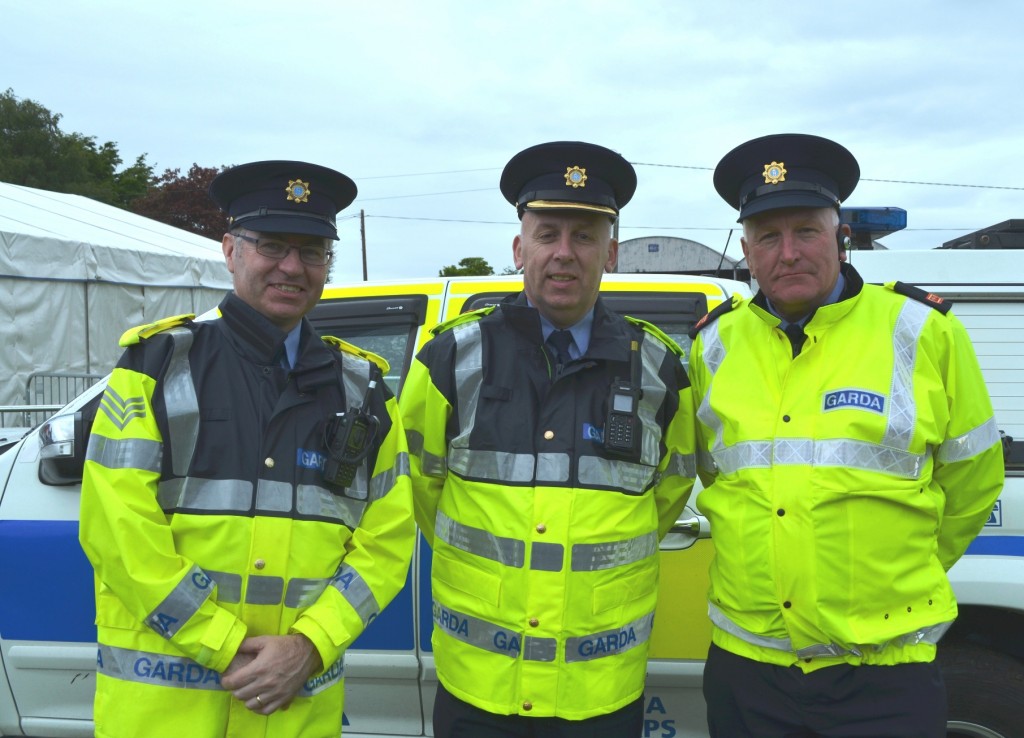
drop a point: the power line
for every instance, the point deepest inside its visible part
(429, 174)
(862, 179)
(425, 194)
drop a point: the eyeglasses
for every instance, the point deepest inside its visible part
(312, 255)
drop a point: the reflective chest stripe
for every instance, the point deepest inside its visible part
(488, 636)
(179, 672)
(181, 402)
(551, 468)
(544, 556)
(891, 455)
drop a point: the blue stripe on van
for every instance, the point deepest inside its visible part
(997, 546)
(46, 583)
(47, 586)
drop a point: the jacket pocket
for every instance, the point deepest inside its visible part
(633, 588)
(465, 580)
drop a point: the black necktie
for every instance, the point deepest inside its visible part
(560, 341)
(796, 335)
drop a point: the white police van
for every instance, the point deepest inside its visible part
(47, 637)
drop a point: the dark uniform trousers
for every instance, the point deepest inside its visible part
(454, 718)
(749, 698)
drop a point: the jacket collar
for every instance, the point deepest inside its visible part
(609, 335)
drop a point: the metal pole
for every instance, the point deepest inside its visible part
(362, 235)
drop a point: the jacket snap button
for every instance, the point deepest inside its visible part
(787, 604)
(548, 435)
(268, 462)
(259, 563)
(541, 528)
(527, 705)
(534, 622)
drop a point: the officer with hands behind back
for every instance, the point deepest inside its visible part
(544, 507)
(240, 546)
(849, 455)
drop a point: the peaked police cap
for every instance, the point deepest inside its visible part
(786, 170)
(568, 175)
(283, 197)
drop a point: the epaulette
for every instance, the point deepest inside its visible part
(348, 348)
(133, 335)
(655, 331)
(714, 315)
(460, 319)
(916, 293)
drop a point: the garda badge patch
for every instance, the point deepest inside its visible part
(854, 399)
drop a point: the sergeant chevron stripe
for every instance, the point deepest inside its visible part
(122, 411)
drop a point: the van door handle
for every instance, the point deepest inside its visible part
(686, 532)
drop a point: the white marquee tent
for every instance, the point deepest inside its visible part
(75, 274)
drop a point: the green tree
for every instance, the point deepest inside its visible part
(35, 152)
(182, 201)
(471, 266)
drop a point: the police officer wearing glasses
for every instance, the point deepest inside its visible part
(240, 544)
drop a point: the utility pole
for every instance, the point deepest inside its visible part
(362, 236)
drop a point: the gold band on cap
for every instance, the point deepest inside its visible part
(565, 205)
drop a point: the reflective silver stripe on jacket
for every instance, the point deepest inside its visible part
(182, 603)
(496, 639)
(891, 456)
(543, 556)
(970, 444)
(931, 634)
(609, 642)
(491, 637)
(809, 452)
(431, 465)
(596, 471)
(181, 402)
(714, 355)
(179, 672)
(236, 496)
(262, 590)
(299, 592)
(229, 586)
(652, 353)
(500, 465)
(902, 414)
(598, 556)
(230, 495)
(479, 542)
(356, 592)
(318, 502)
(125, 453)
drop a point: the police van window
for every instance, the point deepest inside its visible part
(385, 326)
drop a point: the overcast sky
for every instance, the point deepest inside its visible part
(422, 103)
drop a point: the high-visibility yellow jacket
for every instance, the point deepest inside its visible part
(545, 548)
(843, 483)
(207, 520)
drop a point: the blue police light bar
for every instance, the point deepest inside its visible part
(874, 220)
(868, 224)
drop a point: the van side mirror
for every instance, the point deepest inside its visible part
(62, 439)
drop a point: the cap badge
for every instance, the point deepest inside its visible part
(575, 177)
(774, 172)
(297, 190)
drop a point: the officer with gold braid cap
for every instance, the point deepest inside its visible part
(544, 516)
(237, 553)
(849, 455)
